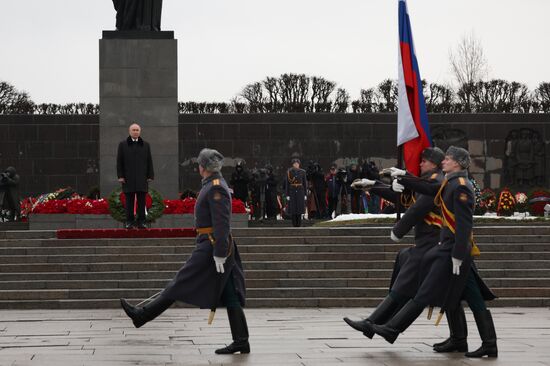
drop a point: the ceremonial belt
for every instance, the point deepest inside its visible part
(449, 220)
(431, 218)
(209, 231)
(296, 184)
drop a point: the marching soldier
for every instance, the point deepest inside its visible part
(425, 217)
(295, 186)
(448, 273)
(213, 274)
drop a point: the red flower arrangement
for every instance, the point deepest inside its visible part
(537, 208)
(87, 206)
(237, 206)
(173, 207)
(506, 203)
(51, 207)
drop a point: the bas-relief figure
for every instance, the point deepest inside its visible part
(524, 158)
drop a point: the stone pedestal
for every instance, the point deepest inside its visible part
(138, 82)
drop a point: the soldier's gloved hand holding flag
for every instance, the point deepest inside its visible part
(396, 172)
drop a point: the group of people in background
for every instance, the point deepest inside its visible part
(323, 195)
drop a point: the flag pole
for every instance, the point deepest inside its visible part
(400, 166)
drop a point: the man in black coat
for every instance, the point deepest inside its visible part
(9, 192)
(214, 274)
(271, 203)
(239, 182)
(134, 165)
(295, 186)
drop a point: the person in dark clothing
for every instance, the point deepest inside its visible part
(239, 181)
(448, 273)
(295, 186)
(369, 170)
(271, 203)
(9, 193)
(343, 206)
(355, 195)
(318, 189)
(258, 193)
(333, 190)
(425, 217)
(213, 275)
(135, 171)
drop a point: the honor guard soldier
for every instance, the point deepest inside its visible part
(295, 185)
(213, 274)
(421, 214)
(448, 273)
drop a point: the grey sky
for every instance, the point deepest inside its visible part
(50, 47)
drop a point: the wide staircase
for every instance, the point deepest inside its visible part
(285, 267)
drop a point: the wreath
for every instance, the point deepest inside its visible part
(537, 201)
(154, 205)
(506, 203)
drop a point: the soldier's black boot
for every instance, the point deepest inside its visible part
(381, 314)
(399, 322)
(486, 327)
(239, 332)
(459, 332)
(142, 315)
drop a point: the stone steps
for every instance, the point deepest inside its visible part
(284, 267)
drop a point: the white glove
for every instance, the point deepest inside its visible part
(456, 266)
(362, 183)
(397, 187)
(219, 261)
(305, 198)
(396, 172)
(288, 198)
(394, 237)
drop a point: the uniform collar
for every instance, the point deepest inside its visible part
(430, 173)
(460, 173)
(211, 178)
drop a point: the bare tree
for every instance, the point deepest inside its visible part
(13, 101)
(468, 61)
(253, 93)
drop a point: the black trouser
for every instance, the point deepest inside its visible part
(297, 220)
(130, 198)
(332, 203)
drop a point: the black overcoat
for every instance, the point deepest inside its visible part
(438, 286)
(134, 163)
(425, 217)
(197, 282)
(295, 185)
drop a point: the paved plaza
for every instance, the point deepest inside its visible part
(278, 337)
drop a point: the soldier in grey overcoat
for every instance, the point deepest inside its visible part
(213, 274)
(448, 273)
(421, 214)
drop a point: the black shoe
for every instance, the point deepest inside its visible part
(129, 225)
(239, 333)
(381, 314)
(486, 327)
(141, 225)
(457, 342)
(399, 322)
(134, 313)
(145, 314)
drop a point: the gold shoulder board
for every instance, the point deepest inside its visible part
(462, 181)
(434, 175)
(216, 182)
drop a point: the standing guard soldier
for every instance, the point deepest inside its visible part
(295, 186)
(214, 273)
(421, 214)
(448, 273)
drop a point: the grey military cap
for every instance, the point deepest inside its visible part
(433, 154)
(460, 155)
(210, 160)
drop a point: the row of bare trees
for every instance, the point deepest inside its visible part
(304, 94)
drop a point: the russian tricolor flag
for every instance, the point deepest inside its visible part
(413, 130)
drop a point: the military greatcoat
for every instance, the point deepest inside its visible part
(197, 282)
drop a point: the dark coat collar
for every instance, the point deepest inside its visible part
(130, 141)
(460, 173)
